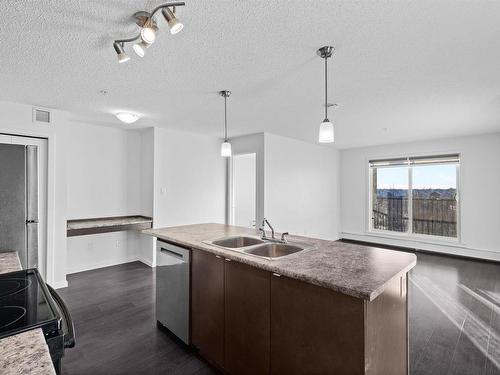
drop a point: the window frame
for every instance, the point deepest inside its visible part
(409, 235)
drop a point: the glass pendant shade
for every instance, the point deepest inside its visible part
(326, 133)
(225, 149)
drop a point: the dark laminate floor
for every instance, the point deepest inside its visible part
(454, 321)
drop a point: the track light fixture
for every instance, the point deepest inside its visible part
(149, 29)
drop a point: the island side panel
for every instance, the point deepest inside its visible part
(207, 305)
(386, 330)
(247, 316)
(315, 330)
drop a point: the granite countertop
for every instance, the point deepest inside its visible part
(355, 270)
(107, 222)
(25, 353)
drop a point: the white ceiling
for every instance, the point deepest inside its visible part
(402, 70)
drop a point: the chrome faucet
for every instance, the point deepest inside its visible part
(264, 222)
(272, 238)
(283, 239)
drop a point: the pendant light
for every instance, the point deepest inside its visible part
(225, 147)
(326, 132)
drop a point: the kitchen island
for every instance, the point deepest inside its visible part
(331, 308)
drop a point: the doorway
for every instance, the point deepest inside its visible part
(37, 154)
(244, 190)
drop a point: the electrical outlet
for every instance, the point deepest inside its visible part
(117, 244)
(163, 190)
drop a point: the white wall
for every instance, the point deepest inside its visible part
(250, 144)
(17, 119)
(302, 187)
(244, 171)
(189, 179)
(479, 198)
(103, 176)
(142, 244)
(297, 184)
(103, 179)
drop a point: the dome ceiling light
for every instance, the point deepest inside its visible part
(326, 131)
(128, 117)
(149, 29)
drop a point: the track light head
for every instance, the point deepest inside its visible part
(173, 23)
(122, 56)
(140, 48)
(148, 34)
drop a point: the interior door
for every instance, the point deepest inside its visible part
(32, 206)
(13, 200)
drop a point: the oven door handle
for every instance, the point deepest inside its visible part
(69, 336)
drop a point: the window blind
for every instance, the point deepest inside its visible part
(416, 160)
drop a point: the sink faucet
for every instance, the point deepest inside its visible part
(283, 239)
(264, 222)
(272, 238)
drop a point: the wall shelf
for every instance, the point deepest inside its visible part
(82, 227)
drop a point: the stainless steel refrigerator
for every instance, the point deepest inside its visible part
(19, 202)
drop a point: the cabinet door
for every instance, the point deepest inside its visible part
(315, 330)
(207, 305)
(247, 306)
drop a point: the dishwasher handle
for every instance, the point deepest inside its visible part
(172, 253)
(169, 250)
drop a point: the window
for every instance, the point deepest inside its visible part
(415, 195)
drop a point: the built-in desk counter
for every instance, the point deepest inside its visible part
(82, 227)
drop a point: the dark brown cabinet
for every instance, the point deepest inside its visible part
(314, 330)
(247, 317)
(249, 321)
(318, 331)
(207, 305)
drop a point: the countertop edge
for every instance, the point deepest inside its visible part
(247, 260)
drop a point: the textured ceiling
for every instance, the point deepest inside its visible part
(402, 70)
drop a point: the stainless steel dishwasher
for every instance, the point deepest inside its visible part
(172, 288)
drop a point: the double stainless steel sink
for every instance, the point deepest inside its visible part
(254, 246)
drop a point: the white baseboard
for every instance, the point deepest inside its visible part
(452, 249)
(93, 266)
(59, 284)
(147, 262)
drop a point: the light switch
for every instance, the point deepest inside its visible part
(163, 190)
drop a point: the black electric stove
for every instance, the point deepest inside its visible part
(26, 303)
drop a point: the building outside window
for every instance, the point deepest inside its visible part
(415, 195)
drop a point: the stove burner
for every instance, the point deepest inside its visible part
(12, 286)
(10, 315)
